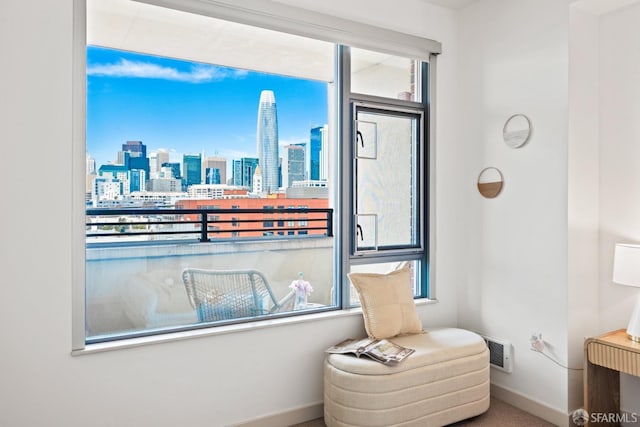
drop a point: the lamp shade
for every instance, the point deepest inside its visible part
(626, 265)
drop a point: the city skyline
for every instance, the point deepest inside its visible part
(188, 108)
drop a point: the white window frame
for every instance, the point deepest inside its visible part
(273, 16)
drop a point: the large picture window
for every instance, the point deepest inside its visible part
(217, 167)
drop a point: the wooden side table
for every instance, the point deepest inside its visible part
(605, 357)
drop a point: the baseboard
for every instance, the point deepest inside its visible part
(287, 418)
(316, 410)
(529, 405)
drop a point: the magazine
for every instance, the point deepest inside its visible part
(382, 351)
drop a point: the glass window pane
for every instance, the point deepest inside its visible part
(381, 74)
(222, 111)
(140, 288)
(386, 186)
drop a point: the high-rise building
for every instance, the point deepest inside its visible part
(324, 154)
(106, 188)
(192, 169)
(315, 145)
(113, 171)
(212, 176)
(175, 170)
(167, 185)
(154, 165)
(136, 148)
(134, 156)
(243, 171)
(156, 160)
(163, 156)
(141, 163)
(91, 165)
(90, 176)
(215, 170)
(267, 141)
(257, 180)
(318, 154)
(137, 180)
(295, 163)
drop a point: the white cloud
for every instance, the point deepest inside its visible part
(147, 70)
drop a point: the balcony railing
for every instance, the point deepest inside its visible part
(206, 225)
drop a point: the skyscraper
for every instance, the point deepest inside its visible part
(215, 170)
(134, 156)
(295, 163)
(318, 154)
(257, 180)
(243, 171)
(91, 165)
(136, 148)
(324, 154)
(315, 145)
(175, 170)
(137, 180)
(192, 169)
(267, 141)
(156, 160)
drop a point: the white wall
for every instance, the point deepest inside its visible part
(619, 155)
(619, 100)
(194, 382)
(514, 59)
(583, 182)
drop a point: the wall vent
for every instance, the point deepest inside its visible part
(500, 354)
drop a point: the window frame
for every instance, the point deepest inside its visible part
(388, 107)
(426, 254)
(296, 21)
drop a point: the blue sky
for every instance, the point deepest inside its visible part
(188, 107)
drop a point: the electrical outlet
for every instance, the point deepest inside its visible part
(537, 343)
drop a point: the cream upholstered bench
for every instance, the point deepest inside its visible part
(445, 380)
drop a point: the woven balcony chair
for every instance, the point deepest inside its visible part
(231, 294)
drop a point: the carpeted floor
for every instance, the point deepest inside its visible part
(500, 414)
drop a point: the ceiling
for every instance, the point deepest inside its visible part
(143, 28)
(451, 4)
(600, 7)
(597, 7)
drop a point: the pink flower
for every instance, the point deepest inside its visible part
(301, 287)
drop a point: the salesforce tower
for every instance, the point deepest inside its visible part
(267, 141)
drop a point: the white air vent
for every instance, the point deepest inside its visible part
(500, 354)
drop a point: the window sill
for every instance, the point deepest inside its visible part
(226, 329)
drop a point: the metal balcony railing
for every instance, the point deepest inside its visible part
(206, 225)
